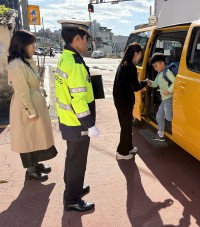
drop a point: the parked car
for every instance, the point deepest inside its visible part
(40, 51)
(97, 54)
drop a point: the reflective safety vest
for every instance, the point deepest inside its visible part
(74, 92)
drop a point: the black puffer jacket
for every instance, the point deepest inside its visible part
(126, 83)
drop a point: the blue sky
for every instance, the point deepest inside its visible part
(121, 18)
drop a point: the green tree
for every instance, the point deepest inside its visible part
(3, 10)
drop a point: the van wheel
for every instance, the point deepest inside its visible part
(137, 123)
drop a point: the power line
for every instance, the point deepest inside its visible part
(112, 2)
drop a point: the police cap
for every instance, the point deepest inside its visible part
(76, 24)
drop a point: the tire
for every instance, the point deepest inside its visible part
(136, 123)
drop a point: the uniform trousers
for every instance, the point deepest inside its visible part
(124, 111)
(75, 167)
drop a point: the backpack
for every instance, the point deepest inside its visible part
(173, 67)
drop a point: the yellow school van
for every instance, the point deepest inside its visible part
(180, 43)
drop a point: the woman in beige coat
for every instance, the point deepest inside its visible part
(30, 125)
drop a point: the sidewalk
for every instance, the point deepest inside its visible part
(158, 189)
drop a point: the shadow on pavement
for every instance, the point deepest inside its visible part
(73, 218)
(140, 209)
(30, 206)
(178, 172)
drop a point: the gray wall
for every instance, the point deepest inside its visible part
(176, 11)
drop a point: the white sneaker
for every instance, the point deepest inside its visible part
(133, 151)
(124, 157)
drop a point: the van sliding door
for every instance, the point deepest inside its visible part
(186, 98)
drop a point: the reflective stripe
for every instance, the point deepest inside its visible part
(78, 89)
(63, 106)
(61, 73)
(84, 114)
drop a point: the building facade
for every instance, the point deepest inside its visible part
(169, 12)
(119, 43)
(102, 37)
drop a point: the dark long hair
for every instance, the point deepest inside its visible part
(19, 41)
(129, 53)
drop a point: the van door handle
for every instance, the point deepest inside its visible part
(181, 89)
(181, 83)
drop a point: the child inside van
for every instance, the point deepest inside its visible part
(166, 91)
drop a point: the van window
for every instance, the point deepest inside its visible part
(167, 41)
(193, 58)
(141, 38)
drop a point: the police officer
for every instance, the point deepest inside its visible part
(76, 111)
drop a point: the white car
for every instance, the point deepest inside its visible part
(97, 54)
(40, 51)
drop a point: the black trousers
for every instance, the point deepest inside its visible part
(32, 158)
(124, 112)
(75, 166)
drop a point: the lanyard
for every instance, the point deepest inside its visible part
(36, 74)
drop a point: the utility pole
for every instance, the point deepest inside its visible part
(43, 32)
(91, 10)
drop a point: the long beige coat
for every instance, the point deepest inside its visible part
(27, 135)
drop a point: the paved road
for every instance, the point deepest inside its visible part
(107, 68)
(161, 188)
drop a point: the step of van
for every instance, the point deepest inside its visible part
(149, 133)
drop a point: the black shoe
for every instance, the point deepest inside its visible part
(42, 168)
(81, 206)
(86, 190)
(37, 175)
